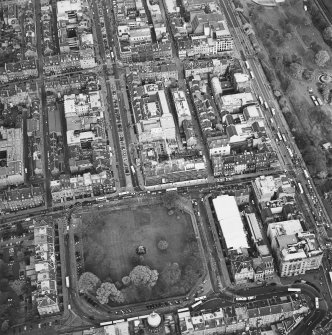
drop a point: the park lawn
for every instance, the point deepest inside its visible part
(298, 44)
(110, 251)
(328, 4)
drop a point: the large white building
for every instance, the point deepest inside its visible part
(230, 222)
(295, 251)
(171, 6)
(65, 8)
(232, 102)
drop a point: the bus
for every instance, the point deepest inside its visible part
(330, 274)
(132, 169)
(247, 64)
(252, 75)
(300, 188)
(200, 298)
(249, 298)
(253, 297)
(306, 174)
(196, 304)
(106, 323)
(121, 194)
(67, 282)
(279, 136)
(183, 310)
(266, 105)
(241, 299)
(294, 289)
(284, 137)
(317, 303)
(143, 317)
(101, 198)
(118, 321)
(290, 152)
(171, 189)
(260, 100)
(112, 55)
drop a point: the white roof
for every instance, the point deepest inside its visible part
(230, 222)
(289, 227)
(237, 99)
(120, 328)
(241, 77)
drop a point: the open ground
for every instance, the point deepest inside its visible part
(112, 238)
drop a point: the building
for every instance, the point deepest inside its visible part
(295, 251)
(190, 134)
(268, 187)
(230, 222)
(198, 67)
(241, 81)
(233, 102)
(153, 119)
(242, 269)
(264, 159)
(181, 106)
(242, 196)
(171, 6)
(46, 268)
(219, 147)
(193, 5)
(161, 165)
(255, 231)
(214, 27)
(236, 319)
(12, 170)
(162, 71)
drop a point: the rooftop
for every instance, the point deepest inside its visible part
(230, 222)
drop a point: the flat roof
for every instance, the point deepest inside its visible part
(230, 222)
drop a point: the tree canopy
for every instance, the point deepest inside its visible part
(170, 199)
(18, 286)
(126, 280)
(162, 245)
(296, 70)
(170, 274)
(307, 74)
(143, 276)
(316, 161)
(108, 291)
(322, 57)
(88, 282)
(327, 34)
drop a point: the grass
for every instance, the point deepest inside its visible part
(110, 245)
(328, 4)
(299, 45)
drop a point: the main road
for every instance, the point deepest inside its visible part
(109, 103)
(310, 197)
(262, 87)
